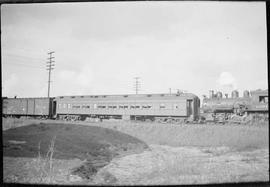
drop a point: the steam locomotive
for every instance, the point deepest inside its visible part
(179, 107)
(252, 105)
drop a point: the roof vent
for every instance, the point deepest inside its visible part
(72, 96)
(125, 95)
(61, 97)
(149, 95)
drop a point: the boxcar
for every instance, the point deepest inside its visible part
(135, 106)
(17, 107)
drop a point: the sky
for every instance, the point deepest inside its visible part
(101, 46)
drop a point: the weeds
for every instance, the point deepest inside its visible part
(45, 165)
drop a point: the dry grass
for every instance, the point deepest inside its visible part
(240, 137)
(187, 165)
(237, 136)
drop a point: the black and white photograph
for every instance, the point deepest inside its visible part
(135, 93)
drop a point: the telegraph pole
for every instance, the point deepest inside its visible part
(50, 68)
(137, 84)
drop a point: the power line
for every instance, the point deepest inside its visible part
(50, 65)
(23, 65)
(21, 56)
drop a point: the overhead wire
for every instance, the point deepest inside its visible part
(21, 56)
(23, 61)
(23, 65)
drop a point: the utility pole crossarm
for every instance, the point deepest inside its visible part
(137, 84)
(50, 65)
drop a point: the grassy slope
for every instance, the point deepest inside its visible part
(72, 141)
(235, 136)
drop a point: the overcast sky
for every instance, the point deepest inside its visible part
(100, 47)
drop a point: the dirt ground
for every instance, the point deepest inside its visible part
(179, 154)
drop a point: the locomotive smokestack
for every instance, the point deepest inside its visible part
(235, 94)
(246, 94)
(211, 94)
(219, 95)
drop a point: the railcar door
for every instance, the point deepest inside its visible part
(30, 109)
(53, 108)
(189, 107)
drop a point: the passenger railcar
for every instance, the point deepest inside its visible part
(137, 106)
(30, 107)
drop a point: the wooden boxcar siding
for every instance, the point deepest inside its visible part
(4, 105)
(169, 109)
(27, 106)
(42, 106)
(16, 107)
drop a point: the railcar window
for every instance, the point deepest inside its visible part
(162, 106)
(263, 99)
(64, 105)
(76, 106)
(59, 106)
(95, 106)
(134, 106)
(123, 106)
(69, 105)
(146, 106)
(85, 106)
(102, 106)
(112, 107)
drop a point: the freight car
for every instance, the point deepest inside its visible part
(158, 107)
(253, 104)
(28, 107)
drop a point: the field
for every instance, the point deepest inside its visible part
(176, 154)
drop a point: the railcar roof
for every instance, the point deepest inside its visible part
(28, 98)
(189, 95)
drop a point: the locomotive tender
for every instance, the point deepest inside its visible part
(159, 107)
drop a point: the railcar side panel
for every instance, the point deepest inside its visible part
(42, 106)
(140, 105)
(30, 106)
(27, 106)
(16, 107)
